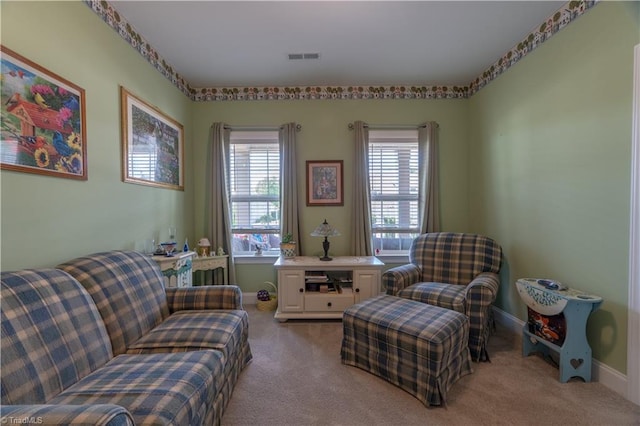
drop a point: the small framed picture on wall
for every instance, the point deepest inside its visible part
(324, 183)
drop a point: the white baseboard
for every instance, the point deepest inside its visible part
(600, 372)
(249, 298)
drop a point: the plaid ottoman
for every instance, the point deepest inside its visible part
(420, 348)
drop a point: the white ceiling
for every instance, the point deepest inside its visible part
(246, 43)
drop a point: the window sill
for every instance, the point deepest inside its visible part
(393, 258)
(250, 259)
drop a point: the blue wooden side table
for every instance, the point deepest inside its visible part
(557, 321)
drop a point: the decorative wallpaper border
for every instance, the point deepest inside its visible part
(549, 27)
(566, 14)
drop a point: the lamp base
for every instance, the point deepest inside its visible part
(325, 247)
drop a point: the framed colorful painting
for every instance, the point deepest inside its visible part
(152, 145)
(324, 183)
(43, 120)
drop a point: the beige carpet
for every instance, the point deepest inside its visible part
(296, 378)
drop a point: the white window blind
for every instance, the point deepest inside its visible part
(143, 158)
(394, 188)
(254, 178)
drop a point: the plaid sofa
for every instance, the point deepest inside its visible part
(457, 271)
(112, 346)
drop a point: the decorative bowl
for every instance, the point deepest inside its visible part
(168, 248)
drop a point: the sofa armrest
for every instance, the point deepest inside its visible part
(480, 295)
(206, 297)
(395, 279)
(482, 291)
(52, 414)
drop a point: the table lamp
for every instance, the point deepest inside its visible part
(325, 230)
(204, 246)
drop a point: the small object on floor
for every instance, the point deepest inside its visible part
(266, 300)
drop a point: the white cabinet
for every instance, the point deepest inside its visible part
(311, 288)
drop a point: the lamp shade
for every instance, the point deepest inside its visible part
(325, 230)
(204, 242)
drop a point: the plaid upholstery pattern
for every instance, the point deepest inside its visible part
(455, 271)
(158, 389)
(415, 346)
(208, 297)
(46, 414)
(454, 258)
(437, 294)
(128, 289)
(400, 277)
(52, 335)
(224, 331)
(173, 320)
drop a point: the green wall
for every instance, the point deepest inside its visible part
(551, 145)
(325, 136)
(538, 159)
(46, 220)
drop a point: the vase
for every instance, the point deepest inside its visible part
(288, 250)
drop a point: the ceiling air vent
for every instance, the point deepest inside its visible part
(296, 56)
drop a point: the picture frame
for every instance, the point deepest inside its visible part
(325, 183)
(152, 145)
(43, 120)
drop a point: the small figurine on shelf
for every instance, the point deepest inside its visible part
(220, 251)
(185, 248)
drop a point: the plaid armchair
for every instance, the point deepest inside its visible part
(456, 271)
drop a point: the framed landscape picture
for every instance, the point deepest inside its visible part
(152, 145)
(324, 183)
(43, 120)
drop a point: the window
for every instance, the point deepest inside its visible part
(143, 158)
(254, 177)
(394, 188)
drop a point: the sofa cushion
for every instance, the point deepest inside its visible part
(437, 294)
(128, 289)
(224, 331)
(162, 389)
(52, 335)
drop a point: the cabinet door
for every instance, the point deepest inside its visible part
(366, 284)
(291, 290)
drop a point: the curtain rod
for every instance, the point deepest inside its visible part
(391, 126)
(259, 128)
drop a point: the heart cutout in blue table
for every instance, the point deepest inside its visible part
(575, 363)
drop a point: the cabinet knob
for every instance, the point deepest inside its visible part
(357, 290)
(301, 290)
(329, 304)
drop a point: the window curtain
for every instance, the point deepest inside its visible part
(361, 242)
(289, 217)
(218, 216)
(428, 177)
